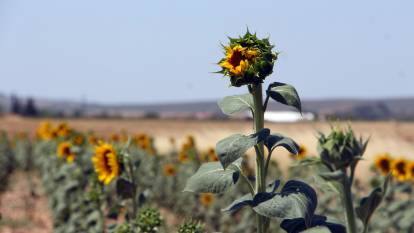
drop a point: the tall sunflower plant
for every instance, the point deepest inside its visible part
(248, 61)
(117, 168)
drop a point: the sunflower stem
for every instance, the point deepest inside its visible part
(348, 203)
(258, 117)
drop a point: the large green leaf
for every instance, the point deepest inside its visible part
(285, 94)
(232, 148)
(319, 229)
(212, 178)
(290, 206)
(237, 103)
(276, 140)
(296, 200)
(125, 188)
(370, 203)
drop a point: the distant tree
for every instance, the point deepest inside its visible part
(16, 107)
(30, 109)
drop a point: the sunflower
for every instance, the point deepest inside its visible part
(79, 139)
(63, 130)
(115, 137)
(44, 131)
(105, 162)
(206, 199)
(146, 143)
(410, 170)
(92, 139)
(212, 156)
(183, 157)
(64, 150)
(302, 153)
(170, 170)
(190, 141)
(383, 163)
(237, 59)
(399, 169)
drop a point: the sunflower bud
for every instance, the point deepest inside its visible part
(340, 148)
(191, 227)
(149, 220)
(248, 60)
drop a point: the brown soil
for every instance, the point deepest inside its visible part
(23, 206)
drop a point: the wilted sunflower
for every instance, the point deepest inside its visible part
(399, 169)
(64, 150)
(248, 60)
(170, 170)
(106, 163)
(206, 199)
(383, 163)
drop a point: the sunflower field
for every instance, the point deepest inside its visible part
(121, 183)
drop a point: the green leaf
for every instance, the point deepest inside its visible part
(369, 204)
(296, 200)
(285, 94)
(332, 176)
(319, 229)
(124, 188)
(276, 140)
(232, 148)
(212, 178)
(236, 103)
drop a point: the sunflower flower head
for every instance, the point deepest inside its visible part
(183, 157)
(206, 199)
(105, 162)
(248, 60)
(383, 163)
(170, 170)
(63, 130)
(65, 151)
(399, 169)
(45, 131)
(302, 153)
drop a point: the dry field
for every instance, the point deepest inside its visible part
(23, 212)
(396, 138)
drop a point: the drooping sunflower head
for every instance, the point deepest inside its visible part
(383, 163)
(170, 170)
(105, 162)
(248, 60)
(64, 150)
(399, 169)
(206, 199)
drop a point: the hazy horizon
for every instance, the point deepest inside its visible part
(164, 52)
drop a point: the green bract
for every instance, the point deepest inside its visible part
(340, 148)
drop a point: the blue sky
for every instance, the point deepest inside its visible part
(164, 51)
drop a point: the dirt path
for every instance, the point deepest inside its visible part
(24, 209)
